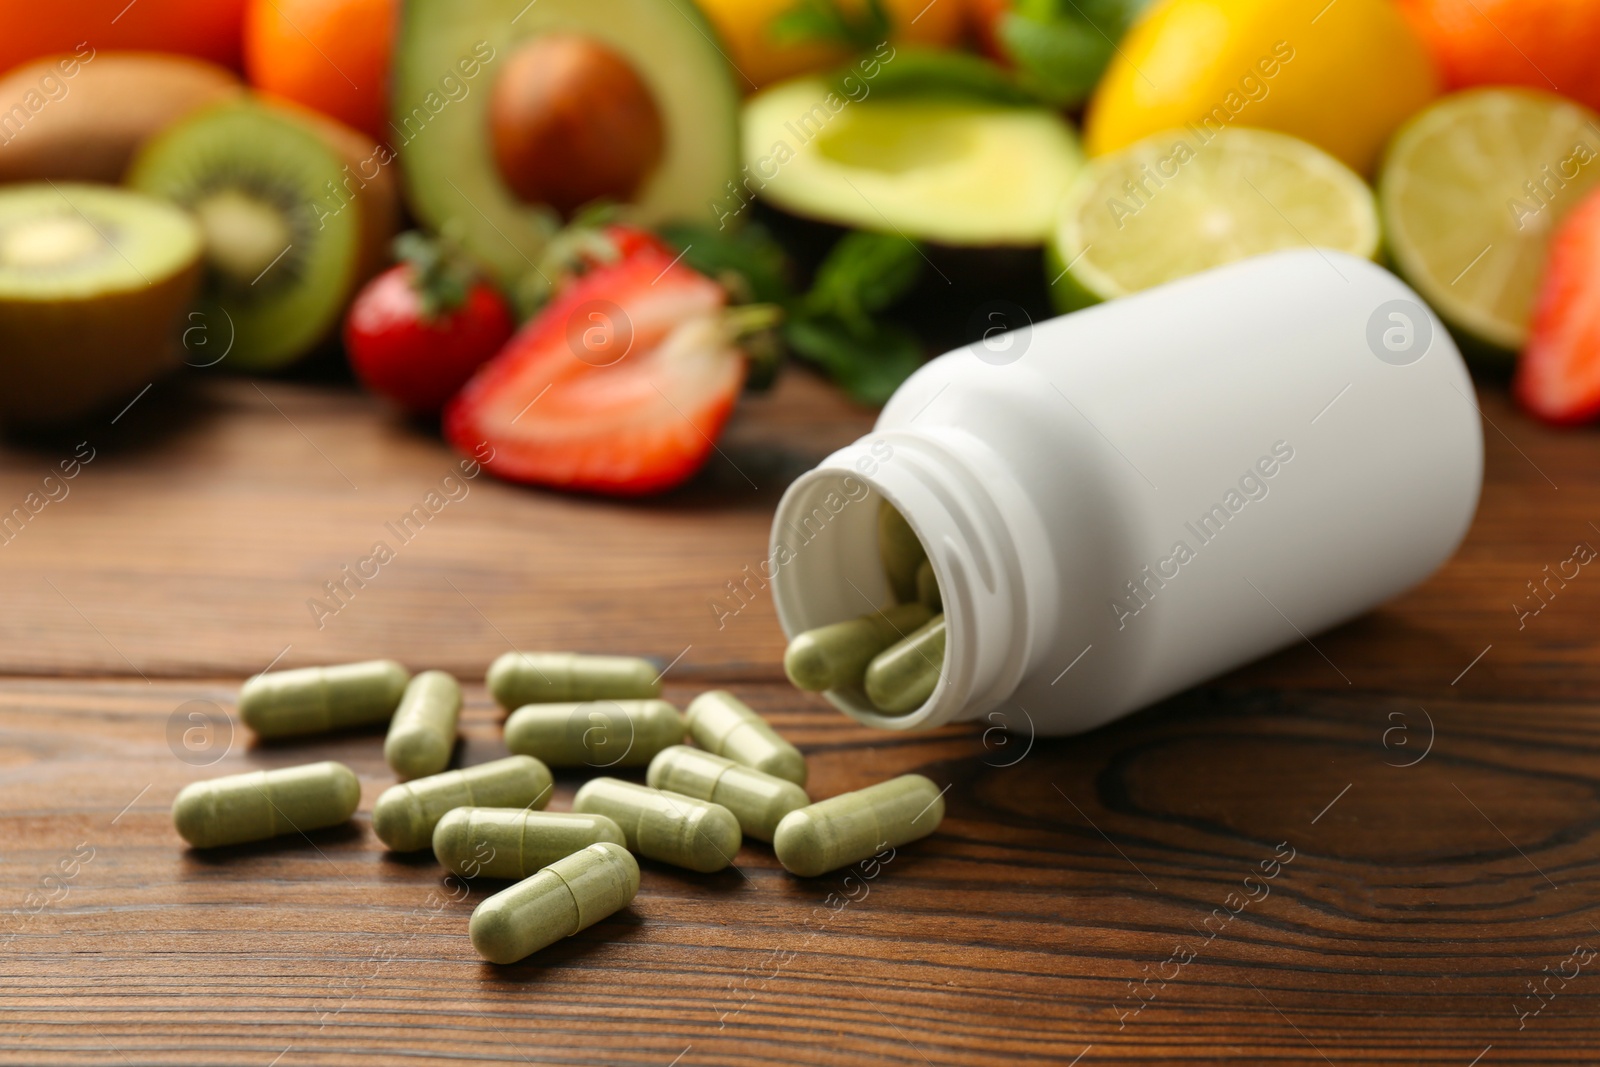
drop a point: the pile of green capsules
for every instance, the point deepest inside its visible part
(894, 655)
(571, 869)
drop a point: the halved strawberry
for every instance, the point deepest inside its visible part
(1558, 376)
(620, 385)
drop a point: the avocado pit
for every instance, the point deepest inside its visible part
(572, 122)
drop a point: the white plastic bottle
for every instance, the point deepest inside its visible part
(1129, 500)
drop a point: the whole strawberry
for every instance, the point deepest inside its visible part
(416, 332)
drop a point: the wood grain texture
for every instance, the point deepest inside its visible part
(1357, 855)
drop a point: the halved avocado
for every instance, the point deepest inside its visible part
(944, 170)
(448, 57)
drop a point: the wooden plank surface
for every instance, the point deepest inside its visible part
(1367, 854)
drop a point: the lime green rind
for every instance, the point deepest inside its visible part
(440, 114)
(1066, 294)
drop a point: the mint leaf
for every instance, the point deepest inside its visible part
(824, 21)
(936, 74)
(1061, 47)
(832, 326)
(869, 367)
(862, 274)
(748, 261)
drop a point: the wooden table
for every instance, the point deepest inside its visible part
(1367, 854)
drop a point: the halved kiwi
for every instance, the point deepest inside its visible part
(94, 281)
(296, 212)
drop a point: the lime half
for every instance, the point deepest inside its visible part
(1470, 192)
(1187, 200)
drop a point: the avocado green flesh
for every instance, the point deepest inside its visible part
(954, 172)
(281, 250)
(447, 57)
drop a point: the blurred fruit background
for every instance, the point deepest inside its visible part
(645, 208)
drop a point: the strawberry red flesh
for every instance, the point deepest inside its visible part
(620, 385)
(1558, 376)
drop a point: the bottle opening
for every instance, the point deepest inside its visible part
(828, 568)
(825, 542)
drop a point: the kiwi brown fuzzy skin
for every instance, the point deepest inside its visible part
(89, 124)
(115, 345)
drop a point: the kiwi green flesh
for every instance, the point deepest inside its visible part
(94, 283)
(282, 230)
(244, 234)
(76, 241)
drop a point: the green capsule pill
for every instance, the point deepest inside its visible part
(901, 552)
(405, 814)
(674, 829)
(571, 894)
(904, 675)
(928, 587)
(314, 700)
(422, 733)
(519, 678)
(513, 842)
(836, 655)
(756, 799)
(263, 804)
(723, 724)
(596, 733)
(853, 826)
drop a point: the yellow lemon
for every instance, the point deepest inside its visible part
(745, 27)
(1342, 74)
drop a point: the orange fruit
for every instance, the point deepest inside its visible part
(208, 29)
(745, 29)
(1550, 45)
(329, 55)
